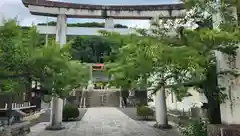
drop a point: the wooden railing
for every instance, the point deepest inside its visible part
(25, 105)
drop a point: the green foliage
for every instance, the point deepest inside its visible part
(146, 56)
(176, 57)
(123, 67)
(15, 52)
(92, 49)
(144, 111)
(57, 72)
(196, 127)
(23, 59)
(70, 111)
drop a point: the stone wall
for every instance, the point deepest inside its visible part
(112, 99)
(223, 130)
(19, 129)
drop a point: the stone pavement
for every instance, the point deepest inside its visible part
(101, 122)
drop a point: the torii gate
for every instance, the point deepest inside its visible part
(64, 10)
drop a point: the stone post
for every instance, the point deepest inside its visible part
(161, 109)
(120, 99)
(84, 102)
(175, 101)
(109, 23)
(57, 103)
(61, 37)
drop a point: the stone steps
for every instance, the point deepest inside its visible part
(102, 98)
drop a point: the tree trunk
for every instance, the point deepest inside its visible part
(56, 114)
(125, 101)
(125, 94)
(212, 92)
(161, 108)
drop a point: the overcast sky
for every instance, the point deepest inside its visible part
(15, 9)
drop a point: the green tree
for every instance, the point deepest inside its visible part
(57, 72)
(23, 60)
(148, 56)
(92, 49)
(224, 40)
(183, 59)
(15, 53)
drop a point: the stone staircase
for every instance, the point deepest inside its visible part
(102, 98)
(93, 99)
(105, 99)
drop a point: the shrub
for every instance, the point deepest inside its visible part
(144, 111)
(196, 127)
(70, 111)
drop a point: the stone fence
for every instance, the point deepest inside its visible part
(223, 130)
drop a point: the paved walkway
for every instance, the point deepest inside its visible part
(101, 122)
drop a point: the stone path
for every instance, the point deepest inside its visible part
(101, 122)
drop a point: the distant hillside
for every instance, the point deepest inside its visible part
(90, 24)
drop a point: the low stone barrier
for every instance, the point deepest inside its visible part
(18, 129)
(223, 130)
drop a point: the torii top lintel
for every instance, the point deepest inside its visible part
(113, 11)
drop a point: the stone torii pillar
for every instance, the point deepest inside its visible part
(61, 31)
(57, 103)
(109, 23)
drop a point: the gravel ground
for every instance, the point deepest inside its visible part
(131, 113)
(45, 117)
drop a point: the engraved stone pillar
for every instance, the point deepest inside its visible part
(230, 108)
